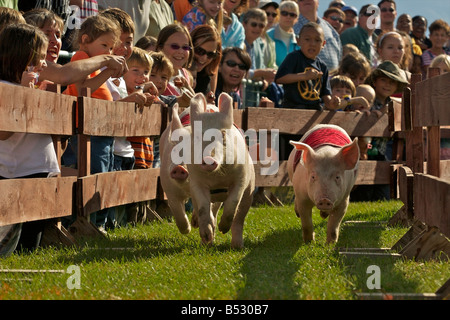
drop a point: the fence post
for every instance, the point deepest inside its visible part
(433, 140)
(416, 137)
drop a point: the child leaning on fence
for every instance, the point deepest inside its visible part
(137, 79)
(304, 76)
(23, 155)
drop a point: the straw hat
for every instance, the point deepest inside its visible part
(391, 70)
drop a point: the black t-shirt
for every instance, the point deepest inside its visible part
(303, 94)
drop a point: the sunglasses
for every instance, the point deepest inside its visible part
(233, 64)
(387, 9)
(174, 46)
(255, 24)
(201, 52)
(334, 18)
(271, 14)
(290, 14)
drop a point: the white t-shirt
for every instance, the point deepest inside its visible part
(122, 147)
(25, 154)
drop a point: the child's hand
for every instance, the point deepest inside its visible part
(182, 83)
(29, 79)
(137, 97)
(312, 74)
(333, 103)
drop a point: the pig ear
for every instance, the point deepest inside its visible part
(198, 104)
(226, 104)
(349, 155)
(176, 122)
(307, 151)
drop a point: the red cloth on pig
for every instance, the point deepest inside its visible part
(322, 137)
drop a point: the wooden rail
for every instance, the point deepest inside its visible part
(34, 111)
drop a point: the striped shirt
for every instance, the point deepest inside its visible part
(143, 151)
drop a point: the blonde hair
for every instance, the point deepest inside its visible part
(442, 58)
(140, 57)
(96, 26)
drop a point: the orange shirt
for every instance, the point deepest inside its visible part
(101, 93)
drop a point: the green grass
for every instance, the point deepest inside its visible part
(157, 262)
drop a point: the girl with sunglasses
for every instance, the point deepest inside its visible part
(232, 69)
(175, 42)
(283, 33)
(207, 55)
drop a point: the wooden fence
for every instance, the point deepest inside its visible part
(423, 181)
(80, 193)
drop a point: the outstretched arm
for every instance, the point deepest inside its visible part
(77, 71)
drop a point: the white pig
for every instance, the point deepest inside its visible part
(175, 176)
(221, 170)
(323, 168)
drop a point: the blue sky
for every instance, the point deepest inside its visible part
(430, 9)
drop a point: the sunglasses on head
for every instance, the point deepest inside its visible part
(334, 18)
(271, 14)
(201, 52)
(255, 24)
(291, 14)
(233, 64)
(177, 47)
(387, 9)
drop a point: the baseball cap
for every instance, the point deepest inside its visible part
(350, 8)
(263, 3)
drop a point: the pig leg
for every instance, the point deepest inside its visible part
(179, 214)
(206, 222)
(237, 227)
(303, 209)
(230, 207)
(334, 222)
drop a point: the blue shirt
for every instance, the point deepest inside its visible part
(280, 46)
(332, 51)
(235, 35)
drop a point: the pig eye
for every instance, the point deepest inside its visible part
(313, 177)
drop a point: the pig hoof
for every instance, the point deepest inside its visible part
(224, 226)
(237, 244)
(185, 230)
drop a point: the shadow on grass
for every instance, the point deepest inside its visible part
(369, 267)
(269, 268)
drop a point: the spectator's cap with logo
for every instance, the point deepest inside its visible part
(263, 3)
(350, 8)
(392, 71)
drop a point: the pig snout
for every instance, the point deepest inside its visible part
(324, 204)
(179, 173)
(209, 164)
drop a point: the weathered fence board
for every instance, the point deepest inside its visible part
(118, 119)
(433, 92)
(369, 172)
(294, 121)
(106, 190)
(35, 111)
(35, 199)
(432, 201)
